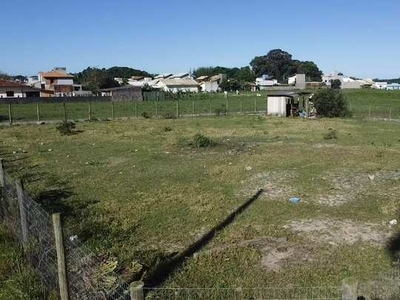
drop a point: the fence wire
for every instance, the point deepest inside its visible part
(88, 276)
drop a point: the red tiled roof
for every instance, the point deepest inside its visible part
(55, 74)
(9, 83)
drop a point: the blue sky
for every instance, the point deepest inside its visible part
(358, 38)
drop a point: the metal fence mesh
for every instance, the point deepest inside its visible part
(88, 276)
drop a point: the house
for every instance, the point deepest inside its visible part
(393, 86)
(58, 83)
(380, 85)
(124, 93)
(347, 82)
(176, 85)
(211, 84)
(265, 81)
(12, 89)
(298, 80)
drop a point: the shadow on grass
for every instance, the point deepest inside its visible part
(165, 269)
(53, 201)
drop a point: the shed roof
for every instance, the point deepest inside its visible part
(13, 84)
(180, 82)
(125, 87)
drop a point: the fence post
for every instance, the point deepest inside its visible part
(177, 108)
(227, 105)
(9, 114)
(90, 110)
(210, 107)
(112, 110)
(193, 108)
(136, 110)
(38, 112)
(22, 212)
(156, 105)
(2, 174)
(65, 112)
(241, 106)
(390, 114)
(61, 265)
(255, 105)
(369, 112)
(349, 289)
(136, 290)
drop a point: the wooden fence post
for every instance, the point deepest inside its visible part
(349, 289)
(2, 173)
(136, 290)
(390, 114)
(136, 110)
(193, 108)
(61, 265)
(90, 110)
(9, 114)
(112, 110)
(241, 106)
(177, 108)
(210, 108)
(227, 105)
(369, 112)
(255, 105)
(156, 105)
(65, 112)
(22, 212)
(38, 112)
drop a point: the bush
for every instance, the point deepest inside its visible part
(66, 127)
(330, 135)
(221, 111)
(145, 115)
(167, 128)
(201, 141)
(169, 116)
(330, 103)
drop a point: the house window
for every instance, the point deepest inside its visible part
(10, 93)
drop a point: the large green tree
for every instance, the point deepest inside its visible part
(95, 79)
(279, 64)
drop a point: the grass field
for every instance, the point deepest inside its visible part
(136, 191)
(363, 102)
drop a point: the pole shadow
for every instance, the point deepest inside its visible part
(165, 269)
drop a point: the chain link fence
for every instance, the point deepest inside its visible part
(88, 276)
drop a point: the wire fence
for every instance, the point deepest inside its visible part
(91, 277)
(88, 276)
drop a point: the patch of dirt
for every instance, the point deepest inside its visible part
(116, 161)
(346, 187)
(277, 253)
(274, 185)
(335, 232)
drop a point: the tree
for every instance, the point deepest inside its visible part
(95, 79)
(276, 63)
(4, 76)
(126, 72)
(336, 84)
(330, 103)
(279, 64)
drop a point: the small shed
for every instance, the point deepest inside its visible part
(287, 103)
(124, 93)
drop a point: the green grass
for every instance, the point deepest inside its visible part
(132, 190)
(17, 280)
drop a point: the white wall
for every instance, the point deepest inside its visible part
(3, 94)
(208, 86)
(277, 106)
(65, 81)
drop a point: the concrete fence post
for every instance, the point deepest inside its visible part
(38, 112)
(390, 114)
(9, 114)
(369, 112)
(136, 290)
(156, 106)
(210, 107)
(61, 263)
(241, 106)
(255, 105)
(112, 110)
(90, 110)
(349, 289)
(177, 108)
(2, 174)
(22, 212)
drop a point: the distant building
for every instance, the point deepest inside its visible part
(58, 83)
(211, 84)
(380, 85)
(265, 81)
(177, 85)
(124, 93)
(346, 81)
(12, 89)
(393, 86)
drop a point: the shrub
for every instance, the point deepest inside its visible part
(221, 111)
(330, 135)
(201, 141)
(66, 127)
(167, 128)
(330, 103)
(169, 116)
(145, 115)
